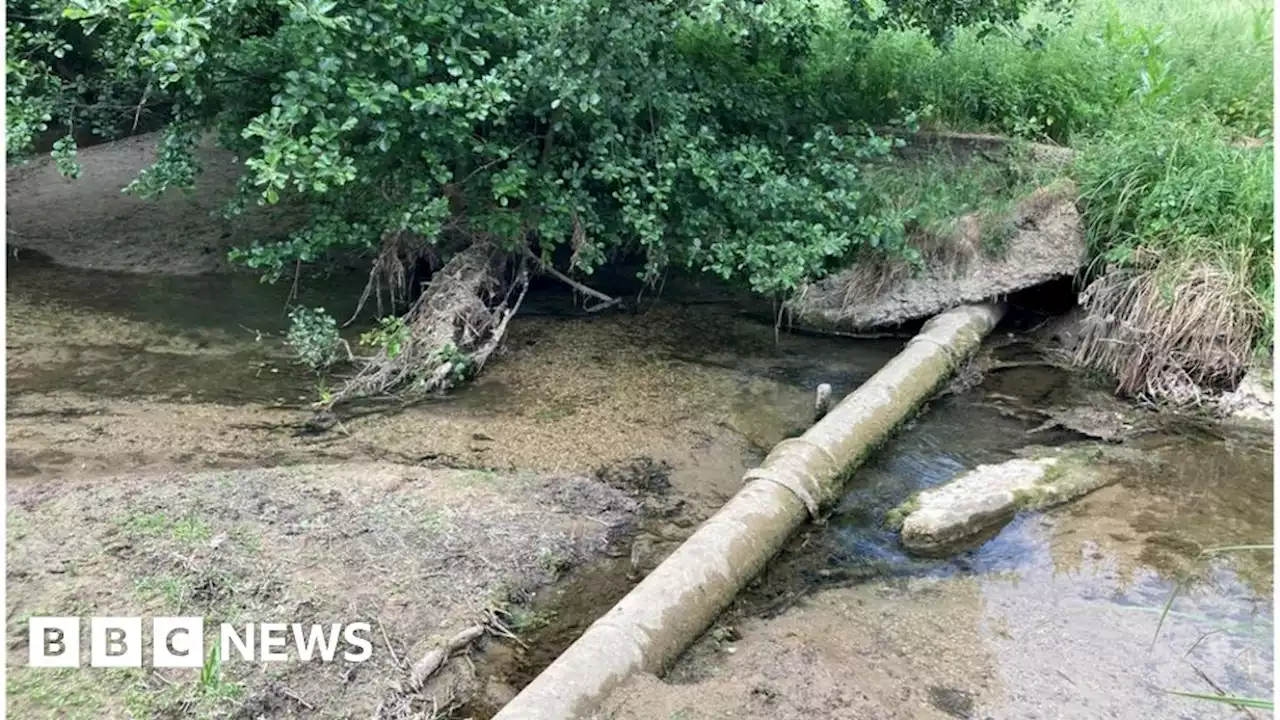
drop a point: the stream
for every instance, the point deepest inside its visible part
(1054, 616)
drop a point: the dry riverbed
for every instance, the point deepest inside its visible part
(419, 554)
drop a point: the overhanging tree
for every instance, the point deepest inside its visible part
(488, 135)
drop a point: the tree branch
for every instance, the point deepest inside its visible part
(605, 300)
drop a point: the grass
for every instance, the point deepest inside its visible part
(188, 530)
(1178, 57)
(1169, 105)
(938, 190)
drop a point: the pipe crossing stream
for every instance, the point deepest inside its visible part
(652, 625)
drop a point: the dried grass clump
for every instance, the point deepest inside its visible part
(1169, 335)
(452, 329)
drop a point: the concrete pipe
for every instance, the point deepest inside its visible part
(650, 627)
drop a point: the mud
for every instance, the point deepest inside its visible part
(89, 222)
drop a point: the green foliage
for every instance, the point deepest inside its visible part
(1159, 191)
(389, 336)
(55, 82)
(678, 132)
(461, 366)
(940, 20)
(1062, 76)
(313, 335)
(64, 157)
(723, 136)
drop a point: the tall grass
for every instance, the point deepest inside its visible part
(1079, 75)
(1157, 189)
(1170, 104)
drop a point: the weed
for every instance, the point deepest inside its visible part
(1167, 611)
(553, 560)
(313, 335)
(522, 619)
(174, 592)
(191, 530)
(248, 541)
(485, 477)
(213, 684)
(65, 692)
(436, 522)
(389, 337)
(144, 525)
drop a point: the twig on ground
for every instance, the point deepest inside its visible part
(297, 698)
(498, 627)
(435, 659)
(387, 641)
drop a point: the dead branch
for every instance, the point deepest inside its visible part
(435, 659)
(387, 641)
(449, 331)
(605, 300)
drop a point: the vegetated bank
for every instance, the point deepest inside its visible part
(485, 143)
(1170, 109)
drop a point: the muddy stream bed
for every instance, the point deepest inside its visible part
(1053, 617)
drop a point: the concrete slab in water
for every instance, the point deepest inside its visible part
(988, 494)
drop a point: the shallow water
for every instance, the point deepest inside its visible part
(1057, 615)
(114, 372)
(1054, 615)
(124, 371)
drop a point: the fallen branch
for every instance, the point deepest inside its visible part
(997, 366)
(449, 332)
(296, 698)
(431, 663)
(606, 301)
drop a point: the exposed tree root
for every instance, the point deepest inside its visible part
(436, 658)
(427, 692)
(605, 300)
(450, 331)
(453, 328)
(392, 271)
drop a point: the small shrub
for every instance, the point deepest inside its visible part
(313, 335)
(389, 336)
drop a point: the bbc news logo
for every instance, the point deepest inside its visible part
(179, 642)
